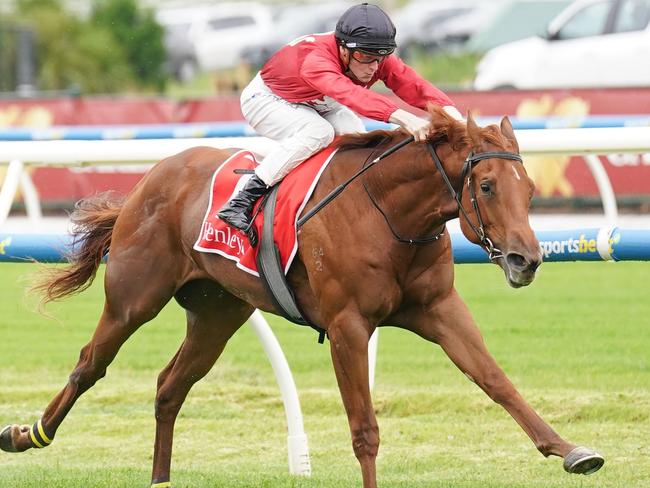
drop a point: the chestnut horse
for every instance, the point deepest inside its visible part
(353, 272)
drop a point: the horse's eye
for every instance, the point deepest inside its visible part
(486, 188)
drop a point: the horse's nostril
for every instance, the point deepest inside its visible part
(515, 260)
(519, 262)
(534, 264)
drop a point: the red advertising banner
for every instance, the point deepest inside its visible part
(569, 177)
(555, 176)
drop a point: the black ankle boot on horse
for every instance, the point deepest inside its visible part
(238, 211)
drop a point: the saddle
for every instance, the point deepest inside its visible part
(275, 221)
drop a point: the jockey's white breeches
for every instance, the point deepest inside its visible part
(301, 129)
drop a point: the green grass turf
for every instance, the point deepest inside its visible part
(576, 343)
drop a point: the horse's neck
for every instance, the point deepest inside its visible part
(414, 190)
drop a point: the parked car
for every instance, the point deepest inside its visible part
(592, 43)
(454, 33)
(420, 23)
(211, 38)
(181, 58)
(290, 23)
(514, 20)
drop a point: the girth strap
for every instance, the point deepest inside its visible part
(272, 275)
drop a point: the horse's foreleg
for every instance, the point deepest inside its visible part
(209, 327)
(349, 335)
(128, 305)
(450, 324)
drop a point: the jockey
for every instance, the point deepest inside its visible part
(309, 91)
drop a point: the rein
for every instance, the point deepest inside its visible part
(399, 238)
(466, 172)
(334, 193)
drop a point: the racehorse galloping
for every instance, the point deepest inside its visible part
(351, 274)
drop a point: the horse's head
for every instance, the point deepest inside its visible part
(496, 197)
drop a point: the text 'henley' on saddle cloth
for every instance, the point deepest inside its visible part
(295, 189)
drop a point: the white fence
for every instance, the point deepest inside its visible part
(18, 154)
(587, 142)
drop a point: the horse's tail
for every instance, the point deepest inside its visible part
(93, 220)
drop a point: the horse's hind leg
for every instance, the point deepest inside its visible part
(213, 316)
(450, 324)
(136, 290)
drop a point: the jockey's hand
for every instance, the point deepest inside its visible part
(416, 126)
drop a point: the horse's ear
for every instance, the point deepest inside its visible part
(474, 132)
(508, 132)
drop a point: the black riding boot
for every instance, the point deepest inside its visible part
(238, 211)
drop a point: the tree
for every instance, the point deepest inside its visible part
(119, 48)
(71, 52)
(139, 35)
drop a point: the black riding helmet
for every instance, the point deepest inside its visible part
(367, 28)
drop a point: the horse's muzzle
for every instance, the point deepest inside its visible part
(520, 268)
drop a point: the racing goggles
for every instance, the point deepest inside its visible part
(368, 58)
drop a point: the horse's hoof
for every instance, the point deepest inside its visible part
(6, 444)
(583, 460)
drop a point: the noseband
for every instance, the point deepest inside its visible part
(471, 160)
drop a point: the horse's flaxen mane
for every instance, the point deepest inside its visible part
(444, 128)
(366, 139)
(493, 135)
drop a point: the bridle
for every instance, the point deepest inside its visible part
(466, 172)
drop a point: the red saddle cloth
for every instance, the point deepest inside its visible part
(218, 237)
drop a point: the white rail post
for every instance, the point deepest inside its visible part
(604, 187)
(372, 357)
(9, 188)
(32, 202)
(297, 439)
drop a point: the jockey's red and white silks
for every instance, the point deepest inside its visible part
(301, 129)
(309, 68)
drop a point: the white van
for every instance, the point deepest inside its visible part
(212, 38)
(592, 43)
